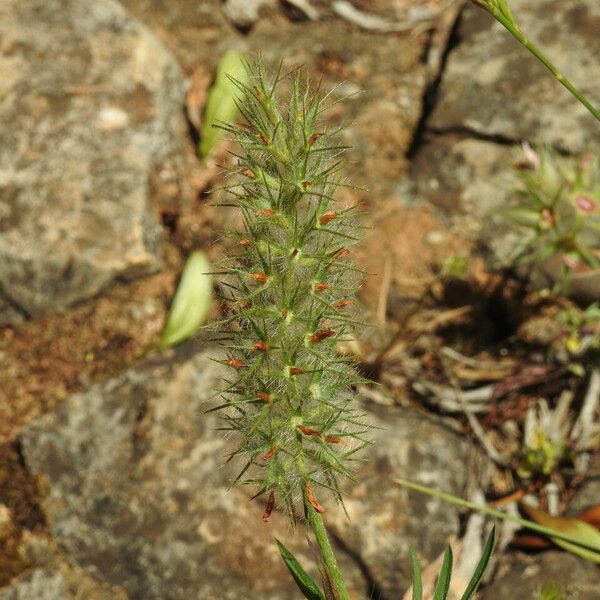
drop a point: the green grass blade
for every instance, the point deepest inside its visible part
(498, 514)
(443, 583)
(417, 592)
(481, 566)
(303, 580)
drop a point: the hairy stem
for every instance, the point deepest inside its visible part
(328, 557)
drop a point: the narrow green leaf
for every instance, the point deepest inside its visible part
(417, 592)
(481, 566)
(191, 302)
(443, 583)
(303, 580)
(580, 541)
(221, 104)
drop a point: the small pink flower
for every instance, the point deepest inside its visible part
(531, 155)
(574, 263)
(585, 204)
(585, 161)
(547, 216)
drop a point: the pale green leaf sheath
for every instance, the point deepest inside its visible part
(221, 103)
(191, 302)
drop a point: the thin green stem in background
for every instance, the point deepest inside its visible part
(500, 11)
(329, 561)
(492, 512)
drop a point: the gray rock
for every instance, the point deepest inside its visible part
(385, 519)
(138, 495)
(494, 87)
(52, 584)
(51, 577)
(90, 108)
(523, 576)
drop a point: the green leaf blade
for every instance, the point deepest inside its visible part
(443, 583)
(191, 302)
(481, 566)
(417, 592)
(303, 580)
(221, 106)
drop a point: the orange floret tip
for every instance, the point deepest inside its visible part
(327, 216)
(264, 397)
(342, 304)
(265, 212)
(269, 508)
(333, 439)
(312, 500)
(260, 277)
(249, 173)
(314, 137)
(268, 454)
(321, 287)
(296, 371)
(235, 363)
(245, 242)
(260, 346)
(342, 252)
(308, 431)
(321, 335)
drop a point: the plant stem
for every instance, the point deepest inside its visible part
(492, 512)
(554, 70)
(329, 561)
(516, 32)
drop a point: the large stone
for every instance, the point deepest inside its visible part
(90, 107)
(492, 86)
(138, 495)
(386, 519)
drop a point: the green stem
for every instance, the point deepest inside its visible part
(329, 561)
(513, 28)
(492, 512)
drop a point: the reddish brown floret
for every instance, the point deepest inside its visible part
(342, 304)
(314, 137)
(261, 277)
(308, 431)
(312, 500)
(249, 173)
(296, 371)
(235, 363)
(269, 454)
(327, 216)
(269, 508)
(320, 335)
(260, 346)
(265, 212)
(264, 397)
(333, 439)
(321, 287)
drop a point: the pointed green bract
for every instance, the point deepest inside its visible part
(303, 580)
(288, 290)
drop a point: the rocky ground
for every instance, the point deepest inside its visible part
(111, 476)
